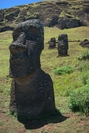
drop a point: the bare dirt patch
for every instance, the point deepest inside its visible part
(65, 123)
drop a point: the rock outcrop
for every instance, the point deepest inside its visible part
(32, 92)
(63, 14)
(65, 22)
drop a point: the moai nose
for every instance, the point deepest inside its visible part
(18, 45)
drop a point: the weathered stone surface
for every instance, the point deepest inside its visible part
(63, 45)
(34, 97)
(52, 43)
(53, 21)
(27, 46)
(11, 13)
(63, 3)
(84, 15)
(1, 15)
(65, 22)
(22, 15)
(5, 28)
(32, 91)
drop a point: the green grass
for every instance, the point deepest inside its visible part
(73, 33)
(5, 81)
(79, 100)
(65, 84)
(84, 56)
(63, 70)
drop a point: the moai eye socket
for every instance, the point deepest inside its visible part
(33, 33)
(17, 33)
(33, 29)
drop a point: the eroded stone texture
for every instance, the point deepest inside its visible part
(32, 91)
(62, 45)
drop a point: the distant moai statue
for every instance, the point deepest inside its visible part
(52, 43)
(85, 43)
(63, 45)
(32, 92)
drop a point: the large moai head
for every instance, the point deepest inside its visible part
(25, 50)
(63, 45)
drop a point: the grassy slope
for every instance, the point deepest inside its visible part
(49, 60)
(62, 84)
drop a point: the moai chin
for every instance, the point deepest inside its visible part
(63, 45)
(32, 91)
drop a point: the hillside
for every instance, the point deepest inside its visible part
(63, 14)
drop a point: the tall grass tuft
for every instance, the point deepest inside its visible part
(84, 56)
(63, 70)
(79, 100)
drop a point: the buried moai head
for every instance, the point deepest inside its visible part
(52, 43)
(62, 45)
(25, 50)
(85, 43)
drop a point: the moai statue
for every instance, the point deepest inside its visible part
(52, 43)
(63, 45)
(32, 92)
(84, 43)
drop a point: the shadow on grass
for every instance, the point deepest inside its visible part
(34, 123)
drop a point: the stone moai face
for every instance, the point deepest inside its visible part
(25, 50)
(62, 44)
(32, 91)
(52, 43)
